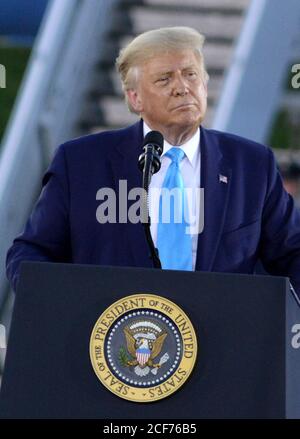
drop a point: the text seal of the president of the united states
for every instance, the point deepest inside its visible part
(143, 347)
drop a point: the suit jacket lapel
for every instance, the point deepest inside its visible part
(215, 179)
(125, 167)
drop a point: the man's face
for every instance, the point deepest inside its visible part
(170, 91)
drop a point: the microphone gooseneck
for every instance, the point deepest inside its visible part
(149, 163)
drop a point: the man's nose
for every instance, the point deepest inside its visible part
(180, 87)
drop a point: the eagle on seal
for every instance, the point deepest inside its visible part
(143, 350)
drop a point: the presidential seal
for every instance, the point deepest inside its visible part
(143, 348)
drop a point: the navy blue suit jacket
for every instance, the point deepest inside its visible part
(248, 218)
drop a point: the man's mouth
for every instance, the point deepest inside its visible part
(183, 106)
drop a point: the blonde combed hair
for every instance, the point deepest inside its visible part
(155, 42)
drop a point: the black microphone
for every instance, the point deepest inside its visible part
(149, 163)
(153, 146)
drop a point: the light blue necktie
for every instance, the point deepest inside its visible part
(173, 242)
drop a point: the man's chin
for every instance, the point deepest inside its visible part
(189, 120)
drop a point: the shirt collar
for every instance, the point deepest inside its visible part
(191, 147)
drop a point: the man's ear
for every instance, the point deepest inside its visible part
(205, 86)
(133, 98)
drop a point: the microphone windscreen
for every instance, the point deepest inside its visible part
(154, 137)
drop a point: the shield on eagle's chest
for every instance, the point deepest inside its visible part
(143, 355)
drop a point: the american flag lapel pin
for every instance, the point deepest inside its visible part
(223, 179)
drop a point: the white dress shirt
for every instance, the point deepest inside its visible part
(190, 171)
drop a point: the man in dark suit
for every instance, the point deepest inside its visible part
(247, 213)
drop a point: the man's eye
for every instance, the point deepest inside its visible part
(162, 80)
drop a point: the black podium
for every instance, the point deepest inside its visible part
(240, 322)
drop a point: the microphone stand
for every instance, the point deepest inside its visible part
(147, 174)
